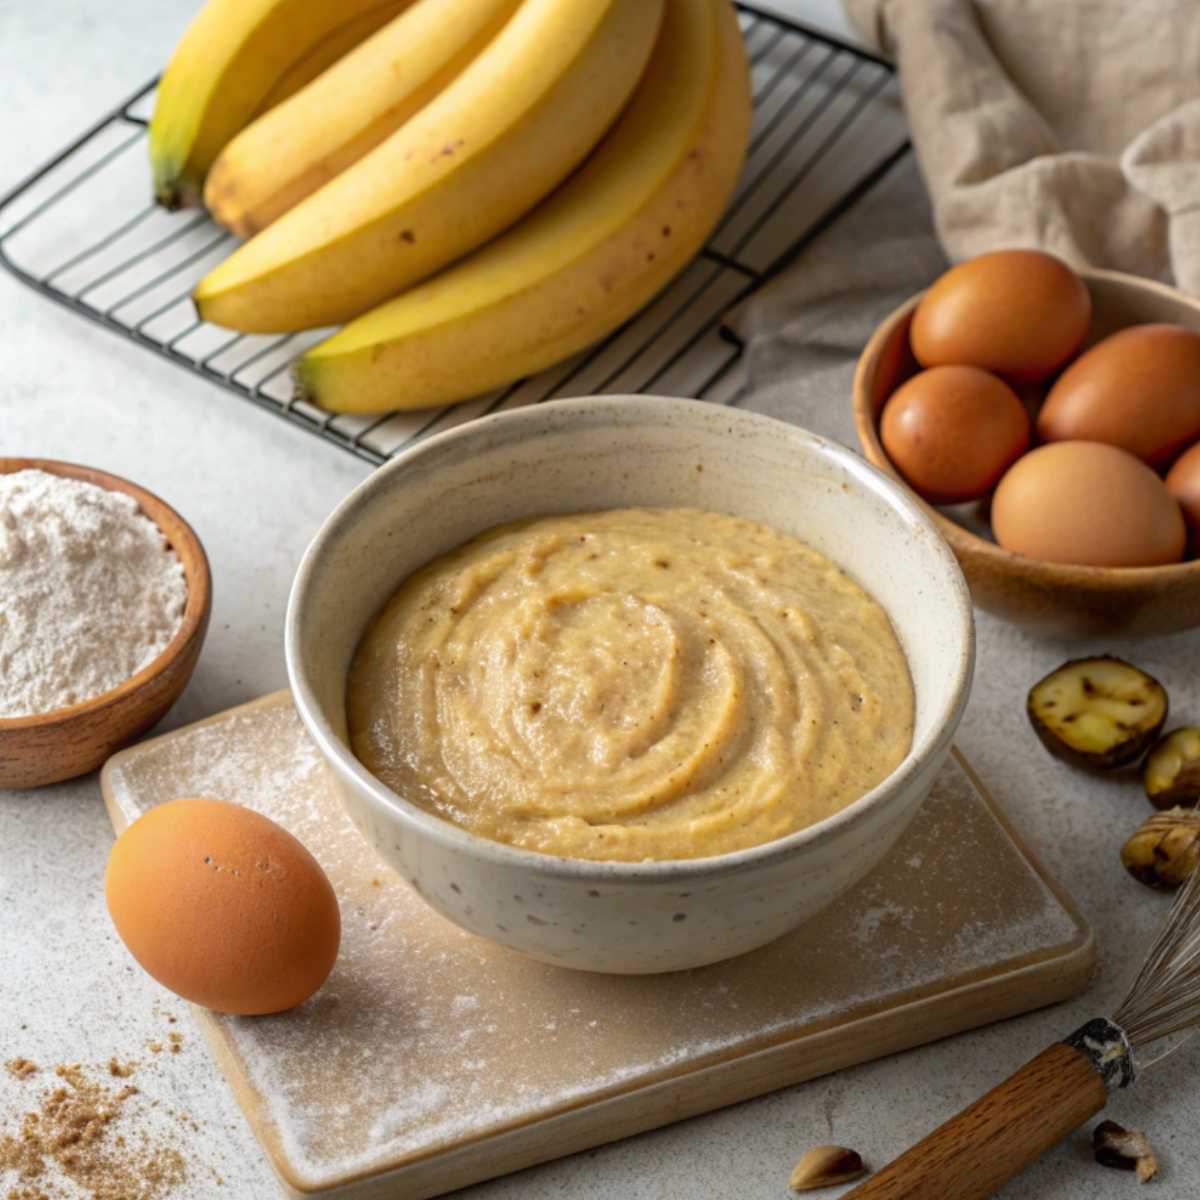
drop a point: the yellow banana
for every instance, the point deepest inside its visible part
(228, 62)
(580, 264)
(328, 51)
(303, 143)
(509, 128)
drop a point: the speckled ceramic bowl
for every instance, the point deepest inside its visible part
(605, 453)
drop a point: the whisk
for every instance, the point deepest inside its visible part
(975, 1152)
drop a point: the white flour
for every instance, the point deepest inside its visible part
(90, 592)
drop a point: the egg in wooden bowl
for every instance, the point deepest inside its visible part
(1074, 523)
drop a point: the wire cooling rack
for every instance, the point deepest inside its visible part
(827, 125)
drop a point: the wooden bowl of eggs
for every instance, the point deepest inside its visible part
(1051, 421)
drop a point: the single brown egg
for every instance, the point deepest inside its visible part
(1019, 313)
(1183, 482)
(1139, 389)
(953, 431)
(223, 906)
(1087, 503)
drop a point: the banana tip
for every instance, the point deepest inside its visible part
(169, 197)
(174, 191)
(302, 384)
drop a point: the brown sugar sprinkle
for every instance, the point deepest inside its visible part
(168, 1016)
(21, 1068)
(120, 1070)
(154, 1047)
(176, 1042)
(71, 1135)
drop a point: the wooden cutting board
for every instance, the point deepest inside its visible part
(432, 1059)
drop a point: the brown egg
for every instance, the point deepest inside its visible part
(1019, 313)
(1183, 482)
(1090, 504)
(223, 906)
(1139, 389)
(953, 431)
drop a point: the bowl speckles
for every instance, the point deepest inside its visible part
(610, 452)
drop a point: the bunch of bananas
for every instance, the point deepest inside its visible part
(477, 188)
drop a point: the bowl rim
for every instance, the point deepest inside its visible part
(652, 410)
(196, 607)
(964, 541)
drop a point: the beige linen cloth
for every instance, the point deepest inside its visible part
(1073, 125)
(1068, 124)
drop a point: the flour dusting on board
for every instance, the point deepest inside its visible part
(425, 1037)
(878, 917)
(204, 761)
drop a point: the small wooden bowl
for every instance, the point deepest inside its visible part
(1046, 598)
(53, 746)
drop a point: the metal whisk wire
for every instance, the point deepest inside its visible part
(1165, 997)
(973, 1154)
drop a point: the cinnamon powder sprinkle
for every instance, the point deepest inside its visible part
(21, 1068)
(72, 1135)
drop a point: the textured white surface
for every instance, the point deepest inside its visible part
(255, 491)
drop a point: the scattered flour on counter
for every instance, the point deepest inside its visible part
(90, 591)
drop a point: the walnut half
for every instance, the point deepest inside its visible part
(1125, 1150)
(826, 1166)
(1165, 850)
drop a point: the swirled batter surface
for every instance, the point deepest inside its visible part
(631, 684)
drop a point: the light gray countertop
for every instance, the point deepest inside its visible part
(255, 491)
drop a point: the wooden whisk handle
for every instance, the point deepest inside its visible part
(975, 1152)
